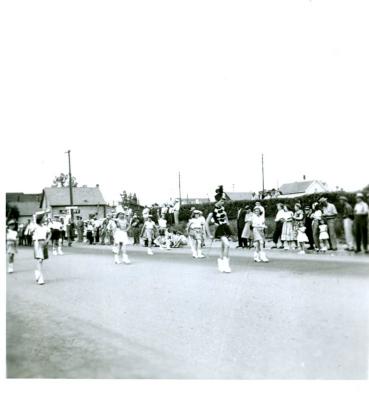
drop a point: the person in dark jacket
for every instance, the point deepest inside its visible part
(240, 225)
(308, 226)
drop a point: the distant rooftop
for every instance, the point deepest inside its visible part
(82, 196)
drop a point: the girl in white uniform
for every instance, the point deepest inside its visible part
(41, 237)
(147, 232)
(11, 245)
(196, 232)
(258, 226)
(301, 237)
(121, 239)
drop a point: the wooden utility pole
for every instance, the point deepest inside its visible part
(262, 172)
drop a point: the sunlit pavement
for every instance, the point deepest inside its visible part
(172, 316)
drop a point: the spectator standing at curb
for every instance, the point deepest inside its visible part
(308, 226)
(278, 225)
(330, 214)
(348, 220)
(176, 212)
(316, 217)
(361, 223)
(240, 225)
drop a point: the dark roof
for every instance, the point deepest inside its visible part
(237, 196)
(23, 197)
(26, 208)
(82, 196)
(297, 187)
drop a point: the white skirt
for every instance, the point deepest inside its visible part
(121, 237)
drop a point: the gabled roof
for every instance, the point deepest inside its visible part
(297, 187)
(26, 208)
(82, 196)
(237, 196)
(22, 197)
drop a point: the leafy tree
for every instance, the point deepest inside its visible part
(12, 212)
(63, 180)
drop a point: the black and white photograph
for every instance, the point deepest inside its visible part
(185, 191)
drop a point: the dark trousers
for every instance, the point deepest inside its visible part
(309, 233)
(90, 237)
(241, 241)
(361, 231)
(277, 231)
(136, 235)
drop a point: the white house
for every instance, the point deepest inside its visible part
(295, 189)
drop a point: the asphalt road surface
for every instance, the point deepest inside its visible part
(171, 316)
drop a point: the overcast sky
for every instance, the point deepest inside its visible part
(139, 90)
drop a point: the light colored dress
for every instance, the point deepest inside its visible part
(120, 233)
(323, 232)
(287, 229)
(301, 235)
(11, 239)
(258, 225)
(247, 232)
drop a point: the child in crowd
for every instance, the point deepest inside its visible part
(148, 231)
(323, 235)
(121, 239)
(196, 232)
(11, 244)
(287, 230)
(301, 237)
(41, 237)
(258, 226)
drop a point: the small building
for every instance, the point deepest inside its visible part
(26, 203)
(296, 189)
(194, 200)
(239, 196)
(89, 200)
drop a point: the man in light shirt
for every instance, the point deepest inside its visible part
(330, 214)
(347, 218)
(278, 225)
(361, 223)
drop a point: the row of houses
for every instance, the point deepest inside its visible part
(89, 200)
(293, 189)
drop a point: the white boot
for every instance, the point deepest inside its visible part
(200, 255)
(220, 265)
(10, 268)
(60, 252)
(150, 252)
(263, 257)
(256, 257)
(194, 254)
(126, 259)
(37, 275)
(116, 259)
(226, 267)
(41, 279)
(54, 251)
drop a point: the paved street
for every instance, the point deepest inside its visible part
(170, 316)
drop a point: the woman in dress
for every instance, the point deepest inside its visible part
(323, 235)
(222, 231)
(298, 216)
(301, 237)
(287, 230)
(247, 232)
(148, 231)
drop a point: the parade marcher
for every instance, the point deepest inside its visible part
(330, 213)
(56, 240)
(41, 237)
(223, 230)
(11, 244)
(361, 223)
(148, 231)
(348, 220)
(287, 229)
(308, 225)
(258, 226)
(278, 226)
(247, 231)
(196, 232)
(240, 225)
(301, 237)
(121, 239)
(316, 217)
(323, 235)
